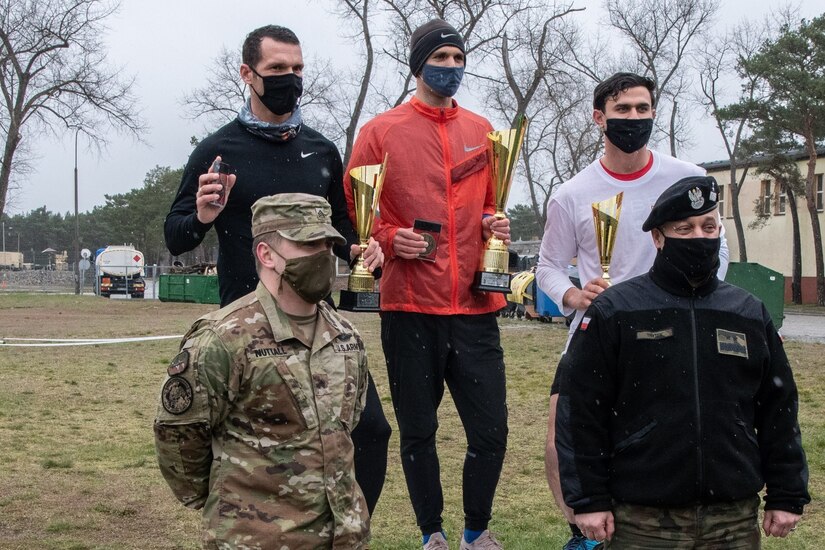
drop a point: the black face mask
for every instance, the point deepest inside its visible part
(281, 92)
(629, 134)
(694, 260)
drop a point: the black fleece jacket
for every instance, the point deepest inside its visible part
(673, 396)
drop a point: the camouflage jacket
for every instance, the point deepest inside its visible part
(254, 427)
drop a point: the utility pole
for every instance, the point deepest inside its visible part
(76, 223)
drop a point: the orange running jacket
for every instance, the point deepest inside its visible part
(437, 171)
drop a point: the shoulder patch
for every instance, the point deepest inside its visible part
(179, 364)
(176, 395)
(585, 321)
(731, 343)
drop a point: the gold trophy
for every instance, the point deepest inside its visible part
(503, 148)
(366, 182)
(606, 219)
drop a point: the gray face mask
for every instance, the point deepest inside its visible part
(310, 276)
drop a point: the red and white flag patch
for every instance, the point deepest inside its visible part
(584, 323)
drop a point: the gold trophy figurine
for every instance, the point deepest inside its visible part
(366, 182)
(606, 219)
(503, 148)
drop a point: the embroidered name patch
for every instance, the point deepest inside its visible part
(267, 352)
(731, 343)
(345, 348)
(654, 334)
(176, 395)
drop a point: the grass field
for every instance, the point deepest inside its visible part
(77, 454)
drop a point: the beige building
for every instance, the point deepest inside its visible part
(771, 245)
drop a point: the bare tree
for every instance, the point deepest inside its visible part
(54, 75)
(725, 56)
(219, 100)
(662, 34)
(533, 82)
(481, 23)
(357, 11)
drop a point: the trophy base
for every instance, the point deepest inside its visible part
(488, 281)
(367, 302)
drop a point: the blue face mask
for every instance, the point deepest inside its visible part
(443, 80)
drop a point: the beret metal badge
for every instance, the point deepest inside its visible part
(696, 198)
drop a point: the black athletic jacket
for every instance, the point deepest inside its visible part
(309, 163)
(672, 396)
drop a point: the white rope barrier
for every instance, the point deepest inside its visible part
(58, 342)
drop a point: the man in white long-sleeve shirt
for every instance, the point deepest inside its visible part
(623, 108)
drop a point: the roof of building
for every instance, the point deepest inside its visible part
(796, 154)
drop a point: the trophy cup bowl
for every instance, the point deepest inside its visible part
(366, 182)
(503, 148)
(606, 220)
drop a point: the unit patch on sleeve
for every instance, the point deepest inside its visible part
(731, 343)
(176, 395)
(179, 364)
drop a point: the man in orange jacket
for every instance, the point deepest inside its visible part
(434, 327)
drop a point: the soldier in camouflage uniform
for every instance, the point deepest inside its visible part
(257, 409)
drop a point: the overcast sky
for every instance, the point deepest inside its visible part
(170, 46)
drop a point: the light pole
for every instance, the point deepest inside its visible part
(76, 223)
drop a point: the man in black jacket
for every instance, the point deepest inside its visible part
(677, 402)
(270, 151)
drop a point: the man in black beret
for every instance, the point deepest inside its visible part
(677, 404)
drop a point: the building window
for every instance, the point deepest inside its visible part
(721, 201)
(766, 197)
(781, 200)
(819, 192)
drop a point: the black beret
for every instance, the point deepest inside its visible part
(687, 197)
(428, 38)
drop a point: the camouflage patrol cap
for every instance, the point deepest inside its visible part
(294, 216)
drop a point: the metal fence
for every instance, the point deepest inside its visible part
(64, 281)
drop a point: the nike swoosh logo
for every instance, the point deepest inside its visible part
(305, 155)
(468, 149)
(446, 35)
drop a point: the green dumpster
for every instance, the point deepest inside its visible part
(184, 287)
(766, 284)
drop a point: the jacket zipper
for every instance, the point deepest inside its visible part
(699, 456)
(445, 152)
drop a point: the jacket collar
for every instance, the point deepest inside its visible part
(439, 114)
(676, 283)
(326, 329)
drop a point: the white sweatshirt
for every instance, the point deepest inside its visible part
(570, 231)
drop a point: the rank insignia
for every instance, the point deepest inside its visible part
(179, 364)
(176, 395)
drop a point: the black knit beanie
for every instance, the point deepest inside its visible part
(428, 38)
